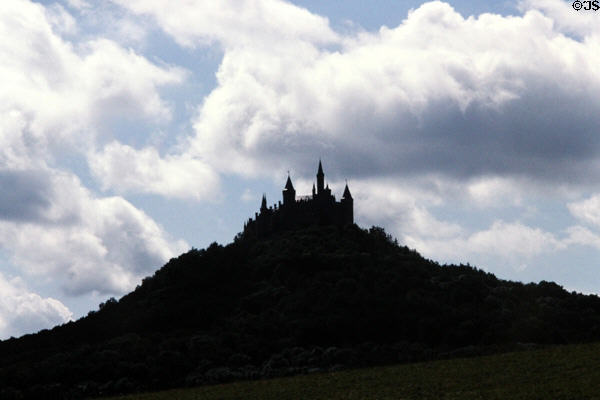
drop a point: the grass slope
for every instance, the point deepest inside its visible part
(563, 372)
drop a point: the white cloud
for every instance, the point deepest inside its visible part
(79, 241)
(461, 99)
(503, 244)
(59, 93)
(234, 23)
(513, 238)
(465, 98)
(54, 99)
(579, 235)
(405, 208)
(566, 19)
(127, 169)
(587, 210)
(495, 191)
(123, 82)
(404, 205)
(23, 311)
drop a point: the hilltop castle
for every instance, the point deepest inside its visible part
(320, 208)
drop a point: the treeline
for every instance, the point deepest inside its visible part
(307, 300)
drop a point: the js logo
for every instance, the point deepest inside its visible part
(586, 5)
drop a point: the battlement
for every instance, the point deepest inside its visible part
(319, 208)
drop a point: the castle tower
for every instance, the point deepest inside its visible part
(347, 194)
(347, 203)
(320, 179)
(289, 193)
(263, 204)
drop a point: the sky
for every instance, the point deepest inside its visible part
(134, 130)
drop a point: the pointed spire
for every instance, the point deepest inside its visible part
(320, 179)
(288, 184)
(347, 194)
(263, 204)
(313, 191)
(289, 193)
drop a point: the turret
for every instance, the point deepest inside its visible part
(347, 203)
(320, 179)
(263, 204)
(347, 194)
(327, 192)
(289, 193)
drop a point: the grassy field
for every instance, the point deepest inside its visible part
(564, 372)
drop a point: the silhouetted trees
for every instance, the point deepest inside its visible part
(305, 300)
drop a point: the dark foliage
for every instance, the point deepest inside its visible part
(300, 301)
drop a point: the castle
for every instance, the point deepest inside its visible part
(320, 208)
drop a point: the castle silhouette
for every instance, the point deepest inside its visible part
(320, 208)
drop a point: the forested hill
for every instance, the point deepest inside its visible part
(300, 301)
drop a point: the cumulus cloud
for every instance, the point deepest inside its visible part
(582, 23)
(579, 235)
(512, 243)
(126, 169)
(82, 242)
(495, 191)
(587, 210)
(405, 208)
(235, 23)
(401, 204)
(514, 238)
(55, 96)
(439, 94)
(125, 83)
(24, 311)
(55, 93)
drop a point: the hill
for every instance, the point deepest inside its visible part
(311, 299)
